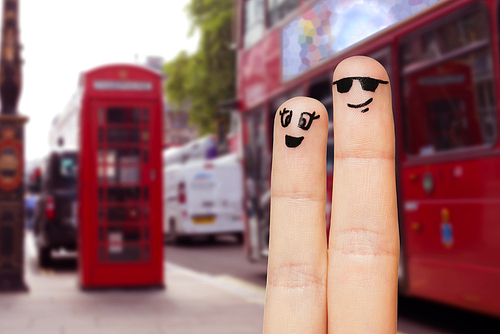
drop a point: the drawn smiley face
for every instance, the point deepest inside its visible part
(367, 84)
(305, 122)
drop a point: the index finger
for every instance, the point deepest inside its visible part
(364, 240)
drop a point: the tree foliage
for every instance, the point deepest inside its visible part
(202, 80)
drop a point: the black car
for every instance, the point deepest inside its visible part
(56, 211)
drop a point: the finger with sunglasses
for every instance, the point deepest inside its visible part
(364, 239)
(361, 262)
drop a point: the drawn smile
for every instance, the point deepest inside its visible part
(293, 141)
(370, 100)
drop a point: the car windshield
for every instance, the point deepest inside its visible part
(68, 167)
(68, 171)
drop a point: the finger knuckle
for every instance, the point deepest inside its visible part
(362, 242)
(295, 276)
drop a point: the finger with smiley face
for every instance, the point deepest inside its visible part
(297, 230)
(364, 239)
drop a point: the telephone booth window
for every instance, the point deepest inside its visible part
(124, 141)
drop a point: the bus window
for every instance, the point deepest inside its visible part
(255, 151)
(277, 101)
(383, 56)
(329, 155)
(279, 9)
(257, 164)
(254, 24)
(447, 86)
(322, 91)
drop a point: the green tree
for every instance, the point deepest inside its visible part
(202, 80)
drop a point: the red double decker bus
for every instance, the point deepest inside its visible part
(443, 61)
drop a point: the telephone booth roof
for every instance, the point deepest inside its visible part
(122, 80)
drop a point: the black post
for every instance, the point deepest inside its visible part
(11, 155)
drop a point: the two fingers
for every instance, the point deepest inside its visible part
(358, 272)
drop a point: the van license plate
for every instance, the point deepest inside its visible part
(204, 220)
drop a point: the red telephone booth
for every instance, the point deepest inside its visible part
(120, 178)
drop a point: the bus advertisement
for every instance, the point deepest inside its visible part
(443, 61)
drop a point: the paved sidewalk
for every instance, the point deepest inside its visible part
(192, 303)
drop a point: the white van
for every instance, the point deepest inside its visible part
(199, 149)
(203, 198)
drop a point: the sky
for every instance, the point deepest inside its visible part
(62, 38)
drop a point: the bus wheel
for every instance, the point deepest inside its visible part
(44, 257)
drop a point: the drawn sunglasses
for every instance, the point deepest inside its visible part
(368, 84)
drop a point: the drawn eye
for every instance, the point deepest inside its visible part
(343, 85)
(306, 119)
(369, 84)
(286, 117)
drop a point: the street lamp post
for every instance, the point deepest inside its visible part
(11, 155)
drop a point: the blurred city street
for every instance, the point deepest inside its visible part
(191, 303)
(210, 288)
(138, 166)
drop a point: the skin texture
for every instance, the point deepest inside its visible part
(351, 287)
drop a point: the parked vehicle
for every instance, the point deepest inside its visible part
(204, 198)
(55, 213)
(201, 148)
